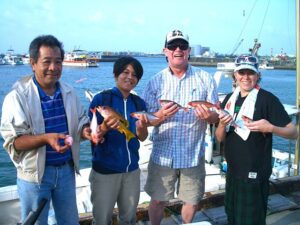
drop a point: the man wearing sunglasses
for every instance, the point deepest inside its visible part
(258, 115)
(178, 137)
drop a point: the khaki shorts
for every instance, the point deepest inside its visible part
(161, 182)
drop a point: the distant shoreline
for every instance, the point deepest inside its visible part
(214, 64)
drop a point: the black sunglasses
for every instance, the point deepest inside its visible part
(174, 46)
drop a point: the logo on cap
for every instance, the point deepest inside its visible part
(176, 34)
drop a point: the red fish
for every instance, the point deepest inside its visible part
(209, 105)
(163, 102)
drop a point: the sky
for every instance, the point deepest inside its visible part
(141, 25)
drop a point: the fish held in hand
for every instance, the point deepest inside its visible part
(200, 102)
(163, 102)
(107, 112)
(216, 107)
(139, 114)
(94, 126)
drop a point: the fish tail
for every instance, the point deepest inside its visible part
(128, 134)
(93, 110)
(94, 139)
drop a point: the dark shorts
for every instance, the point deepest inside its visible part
(246, 201)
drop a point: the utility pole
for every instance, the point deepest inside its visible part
(297, 145)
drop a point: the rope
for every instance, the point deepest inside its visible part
(264, 19)
(239, 37)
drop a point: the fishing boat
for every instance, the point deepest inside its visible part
(11, 58)
(265, 66)
(225, 67)
(79, 58)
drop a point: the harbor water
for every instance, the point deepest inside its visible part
(280, 82)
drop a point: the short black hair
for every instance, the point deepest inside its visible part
(44, 40)
(121, 64)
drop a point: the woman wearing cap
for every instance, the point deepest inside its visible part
(257, 114)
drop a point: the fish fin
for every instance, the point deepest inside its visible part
(93, 110)
(128, 134)
(186, 109)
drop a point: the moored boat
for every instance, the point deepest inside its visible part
(80, 63)
(265, 66)
(11, 58)
(79, 58)
(226, 67)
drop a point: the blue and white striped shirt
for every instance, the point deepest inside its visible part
(179, 141)
(55, 121)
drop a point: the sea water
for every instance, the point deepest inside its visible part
(280, 82)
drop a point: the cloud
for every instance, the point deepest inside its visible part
(186, 22)
(95, 17)
(139, 20)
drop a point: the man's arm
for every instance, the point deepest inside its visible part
(29, 142)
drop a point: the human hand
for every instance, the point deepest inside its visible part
(204, 113)
(110, 122)
(262, 125)
(142, 122)
(86, 133)
(224, 119)
(168, 110)
(57, 141)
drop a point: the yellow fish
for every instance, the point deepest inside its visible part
(107, 112)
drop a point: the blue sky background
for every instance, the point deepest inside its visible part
(141, 25)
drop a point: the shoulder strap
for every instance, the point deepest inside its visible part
(107, 97)
(137, 102)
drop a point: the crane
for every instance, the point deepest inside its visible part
(255, 48)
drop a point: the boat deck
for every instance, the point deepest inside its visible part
(281, 210)
(283, 207)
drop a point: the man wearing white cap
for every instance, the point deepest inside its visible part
(178, 137)
(257, 114)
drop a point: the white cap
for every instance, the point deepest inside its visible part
(246, 66)
(174, 35)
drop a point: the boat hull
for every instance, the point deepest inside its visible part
(80, 63)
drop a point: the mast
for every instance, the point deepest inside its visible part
(297, 145)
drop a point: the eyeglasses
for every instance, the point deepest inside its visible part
(252, 60)
(174, 46)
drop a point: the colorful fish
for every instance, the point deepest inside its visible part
(139, 114)
(107, 111)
